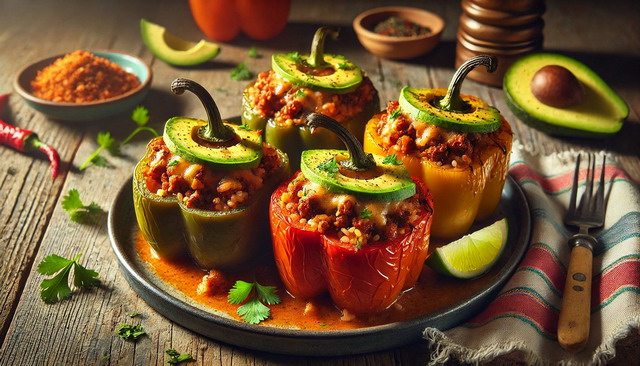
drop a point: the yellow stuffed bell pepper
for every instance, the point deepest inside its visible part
(457, 144)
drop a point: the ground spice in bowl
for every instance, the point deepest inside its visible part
(82, 77)
(398, 27)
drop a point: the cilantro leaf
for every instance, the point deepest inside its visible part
(239, 292)
(344, 66)
(330, 166)
(358, 244)
(99, 160)
(391, 159)
(57, 288)
(134, 314)
(176, 357)
(77, 210)
(365, 214)
(83, 277)
(173, 162)
(140, 115)
(130, 332)
(395, 114)
(106, 141)
(253, 52)
(254, 311)
(267, 294)
(245, 127)
(300, 94)
(241, 72)
(294, 56)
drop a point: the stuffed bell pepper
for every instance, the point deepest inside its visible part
(203, 188)
(300, 84)
(352, 224)
(457, 144)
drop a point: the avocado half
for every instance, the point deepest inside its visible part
(174, 50)
(601, 113)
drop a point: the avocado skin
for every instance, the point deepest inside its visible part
(554, 125)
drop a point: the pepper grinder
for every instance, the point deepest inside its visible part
(506, 29)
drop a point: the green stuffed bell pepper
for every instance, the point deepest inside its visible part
(300, 84)
(203, 188)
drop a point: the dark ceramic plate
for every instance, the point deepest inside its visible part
(214, 324)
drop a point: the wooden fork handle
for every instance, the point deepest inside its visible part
(574, 321)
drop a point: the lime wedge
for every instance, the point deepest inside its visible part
(473, 254)
(175, 50)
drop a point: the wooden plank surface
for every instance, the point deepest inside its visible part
(33, 225)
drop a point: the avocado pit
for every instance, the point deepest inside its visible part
(556, 86)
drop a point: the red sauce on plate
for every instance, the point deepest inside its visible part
(432, 292)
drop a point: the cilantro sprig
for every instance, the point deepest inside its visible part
(176, 357)
(253, 52)
(330, 166)
(391, 159)
(253, 311)
(395, 114)
(140, 116)
(294, 56)
(365, 214)
(57, 288)
(130, 332)
(77, 210)
(241, 72)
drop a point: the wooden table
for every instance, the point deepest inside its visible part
(33, 225)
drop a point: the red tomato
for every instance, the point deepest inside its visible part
(263, 19)
(218, 19)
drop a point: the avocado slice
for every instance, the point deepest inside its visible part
(318, 71)
(600, 114)
(420, 104)
(175, 50)
(385, 182)
(448, 108)
(244, 152)
(213, 143)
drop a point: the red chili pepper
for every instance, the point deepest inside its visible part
(365, 280)
(25, 140)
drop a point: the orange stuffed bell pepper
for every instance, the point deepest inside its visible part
(457, 144)
(352, 224)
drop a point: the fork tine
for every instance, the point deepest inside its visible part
(599, 200)
(574, 187)
(584, 206)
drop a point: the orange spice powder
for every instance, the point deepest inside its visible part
(81, 77)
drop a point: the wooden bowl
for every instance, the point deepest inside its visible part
(398, 47)
(91, 110)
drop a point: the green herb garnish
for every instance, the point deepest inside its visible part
(253, 311)
(105, 141)
(391, 159)
(173, 162)
(365, 214)
(358, 244)
(245, 127)
(130, 332)
(241, 72)
(176, 357)
(133, 315)
(140, 116)
(300, 94)
(77, 210)
(57, 288)
(330, 166)
(395, 114)
(345, 66)
(253, 52)
(294, 56)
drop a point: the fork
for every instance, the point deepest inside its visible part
(573, 323)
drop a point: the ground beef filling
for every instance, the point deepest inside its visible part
(340, 215)
(201, 187)
(441, 146)
(272, 96)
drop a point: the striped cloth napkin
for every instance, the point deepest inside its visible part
(522, 321)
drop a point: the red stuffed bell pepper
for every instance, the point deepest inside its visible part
(354, 225)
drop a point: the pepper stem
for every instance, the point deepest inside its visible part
(316, 58)
(358, 159)
(452, 101)
(215, 130)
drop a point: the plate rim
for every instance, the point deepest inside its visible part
(139, 282)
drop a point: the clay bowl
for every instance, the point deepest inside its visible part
(398, 47)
